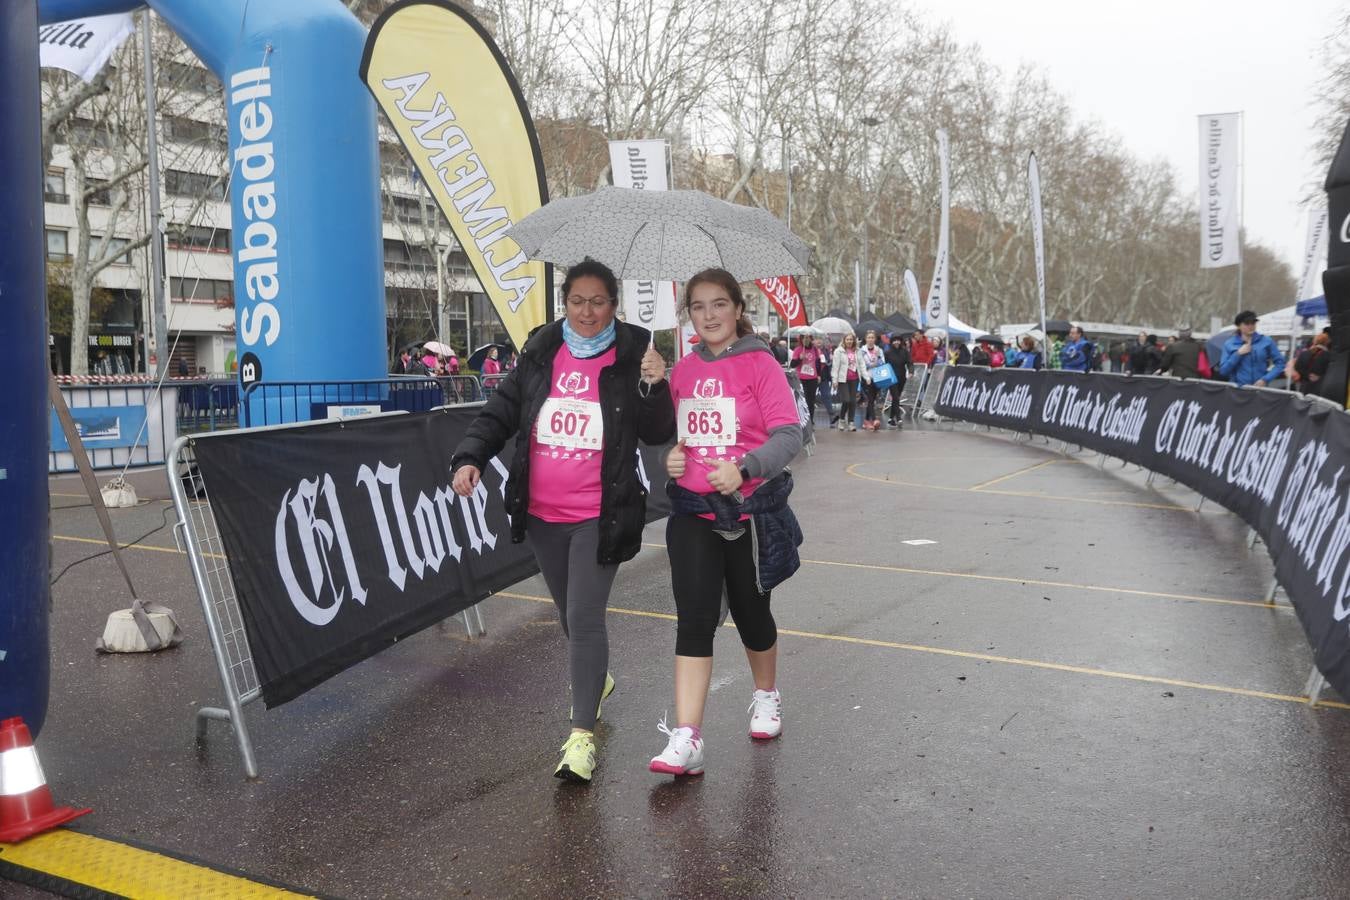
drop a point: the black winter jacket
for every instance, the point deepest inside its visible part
(628, 417)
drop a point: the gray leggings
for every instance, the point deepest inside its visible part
(566, 552)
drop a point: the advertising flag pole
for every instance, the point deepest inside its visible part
(1242, 200)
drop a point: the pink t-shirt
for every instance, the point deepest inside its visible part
(727, 408)
(810, 367)
(852, 365)
(492, 367)
(567, 441)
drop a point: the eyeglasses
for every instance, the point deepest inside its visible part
(578, 303)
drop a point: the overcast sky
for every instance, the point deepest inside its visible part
(1146, 69)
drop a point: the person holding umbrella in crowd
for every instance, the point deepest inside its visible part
(587, 388)
(730, 529)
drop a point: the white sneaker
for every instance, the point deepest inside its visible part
(766, 720)
(683, 754)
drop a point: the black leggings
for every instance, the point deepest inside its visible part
(848, 400)
(702, 563)
(870, 392)
(897, 390)
(809, 386)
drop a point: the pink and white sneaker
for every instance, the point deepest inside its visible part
(683, 754)
(766, 719)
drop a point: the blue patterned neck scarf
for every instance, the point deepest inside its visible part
(586, 347)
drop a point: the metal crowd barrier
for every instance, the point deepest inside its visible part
(123, 420)
(457, 389)
(912, 394)
(198, 536)
(273, 403)
(207, 405)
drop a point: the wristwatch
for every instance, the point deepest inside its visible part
(745, 474)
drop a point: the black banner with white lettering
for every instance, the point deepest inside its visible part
(343, 538)
(1279, 461)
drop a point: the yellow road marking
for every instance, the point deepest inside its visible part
(1039, 582)
(152, 547)
(86, 497)
(1022, 471)
(852, 470)
(126, 871)
(989, 657)
(1043, 583)
(904, 570)
(101, 541)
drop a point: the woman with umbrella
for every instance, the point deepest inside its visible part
(730, 529)
(586, 389)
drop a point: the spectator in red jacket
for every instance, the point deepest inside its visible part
(921, 350)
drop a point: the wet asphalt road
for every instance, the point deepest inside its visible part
(1058, 697)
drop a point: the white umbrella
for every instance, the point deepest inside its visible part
(833, 326)
(438, 348)
(798, 330)
(666, 235)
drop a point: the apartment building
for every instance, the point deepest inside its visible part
(198, 236)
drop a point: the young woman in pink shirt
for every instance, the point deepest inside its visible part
(584, 391)
(730, 530)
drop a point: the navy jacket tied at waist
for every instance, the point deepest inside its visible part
(775, 530)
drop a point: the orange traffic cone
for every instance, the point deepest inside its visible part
(25, 800)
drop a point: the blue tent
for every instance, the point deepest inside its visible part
(1315, 306)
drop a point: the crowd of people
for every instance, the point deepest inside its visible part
(1246, 357)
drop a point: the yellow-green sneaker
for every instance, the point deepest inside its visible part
(578, 760)
(604, 695)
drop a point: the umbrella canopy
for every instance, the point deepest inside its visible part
(667, 235)
(833, 325)
(799, 330)
(867, 325)
(1214, 347)
(901, 323)
(1057, 326)
(1315, 306)
(438, 348)
(476, 358)
(842, 314)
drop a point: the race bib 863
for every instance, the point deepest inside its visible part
(707, 422)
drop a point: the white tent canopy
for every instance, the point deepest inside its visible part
(955, 324)
(1284, 322)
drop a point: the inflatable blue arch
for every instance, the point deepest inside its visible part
(308, 256)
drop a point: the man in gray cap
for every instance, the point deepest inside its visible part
(1182, 356)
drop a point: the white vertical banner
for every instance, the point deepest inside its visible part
(1220, 200)
(1314, 255)
(642, 165)
(83, 45)
(912, 291)
(939, 301)
(1037, 229)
